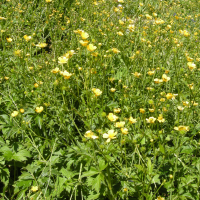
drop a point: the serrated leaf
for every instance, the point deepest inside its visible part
(68, 174)
(102, 164)
(97, 183)
(161, 147)
(6, 118)
(21, 155)
(139, 167)
(7, 153)
(21, 194)
(189, 196)
(156, 179)
(149, 166)
(92, 172)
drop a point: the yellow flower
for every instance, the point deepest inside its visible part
(151, 73)
(159, 21)
(180, 108)
(91, 47)
(97, 92)
(41, 45)
(84, 42)
(115, 50)
(112, 89)
(39, 109)
(189, 59)
(110, 135)
(124, 131)
(66, 74)
(2, 18)
(156, 80)
(186, 103)
(182, 128)
(56, 70)
(136, 74)
(121, 22)
(112, 117)
(165, 78)
(27, 38)
(142, 110)
(17, 52)
(117, 110)
(162, 99)
(141, 4)
(161, 119)
(151, 120)
(9, 39)
(36, 85)
(160, 198)
(194, 103)
(62, 60)
(170, 96)
(151, 109)
(186, 33)
(191, 65)
(34, 188)
(48, 1)
(120, 33)
(131, 28)
(148, 16)
(6, 78)
(15, 113)
(132, 120)
(84, 35)
(121, 1)
(119, 124)
(21, 110)
(90, 134)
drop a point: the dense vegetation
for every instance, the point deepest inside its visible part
(99, 99)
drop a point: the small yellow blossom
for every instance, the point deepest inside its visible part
(9, 39)
(119, 124)
(170, 96)
(159, 21)
(156, 80)
(39, 109)
(165, 78)
(110, 135)
(124, 131)
(120, 33)
(34, 188)
(62, 60)
(41, 45)
(161, 119)
(121, 22)
(136, 74)
(115, 50)
(36, 85)
(186, 103)
(132, 120)
(180, 108)
(112, 89)
(27, 38)
(91, 47)
(112, 117)
(148, 16)
(21, 110)
(66, 74)
(17, 52)
(151, 73)
(117, 110)
(162, 99)
(48, 1)
(160, 198)
(2, 18)
(191, 65)
(84, 42)
(84, 35)
(131, 27)
(56, 70)
(151, 109)
(90, 134)
(151, 120)
(6, 78)
(97, 92)
(182, 128)
(15, 113)
(142, 110)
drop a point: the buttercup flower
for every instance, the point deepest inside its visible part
(180, 108)
(142, 110)
(66, 74)
(115, 50)
(151, 73)
(62, 60)
(21, 110)
(2, 18)
(132, 120)
(119, 124)
(97, 92)
(117, 110)
(161, 119)
(9, 39)
(39, 109)
(34, 188)
(171, 96)
(84, 35)
(182, 128)
(191, 65)
(151, 120)
(91, 47)
(84, 42)
(90, 134)
(110, 135)
(136, 74)
(41, 45)
(112, 117)
(124, 131)
(165, 78)
(56, 70)
(27, 38)
(15, 113)
(112, 89)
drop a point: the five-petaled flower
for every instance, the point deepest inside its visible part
(110, 135)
